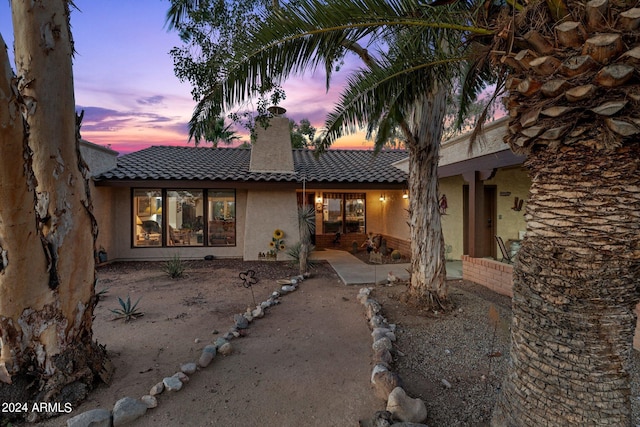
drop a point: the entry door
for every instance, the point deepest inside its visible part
(490, 218)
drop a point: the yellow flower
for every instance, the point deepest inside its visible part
(278, 234)
(272, 244)
(281, 247)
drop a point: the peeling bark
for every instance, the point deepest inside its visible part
(428, 268)
(47, 229)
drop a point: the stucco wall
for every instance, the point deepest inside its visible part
(103, 210)
(265, 212)
(516, 182)
(453, 219)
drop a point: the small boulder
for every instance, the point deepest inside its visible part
(182, 377)
(241, 321)
(225, 349)
(157, 389)
(188, 368)
(383, 356)
(384, 383)
(93, 418)
(127, 410)
(149, 400)
(382, 343)
(288, 288)
(406, 408)
(208, 353)
(258, 312)
(376, 321)
(376, 369)
(172, 383)
(372, 308)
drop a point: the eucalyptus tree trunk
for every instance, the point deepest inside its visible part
(428, 266)
(575, 292)
(47, 229)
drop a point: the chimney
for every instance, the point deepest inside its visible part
(271, 152)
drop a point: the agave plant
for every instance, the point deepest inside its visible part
(174, 267)
(127, 311)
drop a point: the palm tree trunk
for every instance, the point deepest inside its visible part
(428, 267)
(47, 281)
(575, 291)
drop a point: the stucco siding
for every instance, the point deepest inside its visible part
(265, 212)
(510, 183)
(452, 221)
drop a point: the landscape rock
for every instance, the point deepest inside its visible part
(241, 321)
(172, 383)
(182, 377)
(188, 368)
(376, 321)
(372, 308)
(406, 408)
(127, 410)
(383, 356)
(157, 389)
(380, 419)
(225, 349)
(288, 288)
(378, 333)
(382, 343)
(258, 312)
(220, 342)
(208, 353)
(408, 425)
(93, 418)
(149, 400)
(376, 369)
(384, 383)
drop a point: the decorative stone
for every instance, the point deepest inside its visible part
(188, 368)
(172, 383)
(248, 316)
(377, 369)
(225, 349)
(127, 410)
(446, 383)
(182, 377)
(383, 356)
(378, 333)
(149, 400)
(93, 418)
(380, 419)
(288, 288)
(258, 312)
(220, 341)
(406, 408)
(372, 308)
(241, 321)
(385, 382)
(376, 321)
(208, 353)
(157, 389)
(381, 344)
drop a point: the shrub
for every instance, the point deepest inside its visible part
(295, 250)
(126, 310)
(174, 267)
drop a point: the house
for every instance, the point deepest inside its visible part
(227, 202)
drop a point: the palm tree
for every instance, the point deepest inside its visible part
(214, 131)
(573, 101)
(404, 85)
(47, 227)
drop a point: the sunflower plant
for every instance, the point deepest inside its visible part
(277, 242)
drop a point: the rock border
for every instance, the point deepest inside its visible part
(401, 409)
(128, 409)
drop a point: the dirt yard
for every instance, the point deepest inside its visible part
(307, 362)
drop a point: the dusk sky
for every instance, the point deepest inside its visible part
(124, 78)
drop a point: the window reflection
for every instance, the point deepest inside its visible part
(147, 208)
(222, 218)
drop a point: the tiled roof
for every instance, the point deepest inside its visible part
(232, 164)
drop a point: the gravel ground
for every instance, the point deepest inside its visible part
(444, 359)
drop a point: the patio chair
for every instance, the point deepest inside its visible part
(506, 256)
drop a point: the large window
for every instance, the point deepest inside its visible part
(343, 212)
(177, 217)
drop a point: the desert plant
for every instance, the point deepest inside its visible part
(396, 254)
(102, 293)
(175, 267)
(127, 311)
(295, 251)
(306, 226)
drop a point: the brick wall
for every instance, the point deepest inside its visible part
(497, 276)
